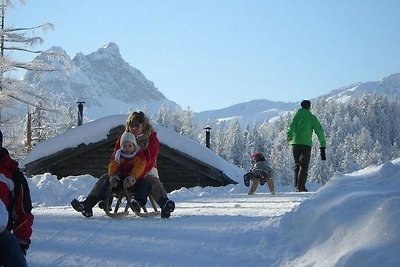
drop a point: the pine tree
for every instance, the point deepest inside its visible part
(220, 144)
(319, 172)
(248, 140)
(189, 126)
(234, 143)
(164, 117)
(350, 128)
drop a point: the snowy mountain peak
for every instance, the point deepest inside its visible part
(54, 56)
(111, 48)
(107, 51)
(107, 83)
(56, 49)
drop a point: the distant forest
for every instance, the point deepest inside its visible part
(360, 133)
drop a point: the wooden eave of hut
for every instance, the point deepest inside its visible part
(176, 169)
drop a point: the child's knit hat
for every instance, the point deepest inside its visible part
(127, 137)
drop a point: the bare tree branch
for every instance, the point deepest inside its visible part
(15, 48)
(45, 27)
(23, 40)
(31, 103)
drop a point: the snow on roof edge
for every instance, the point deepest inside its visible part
(85, 134)
(98, 130)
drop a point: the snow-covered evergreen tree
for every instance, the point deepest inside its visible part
(165, 117)
(235, 143)
(353, 131)
(248, 142)
(220, 141)
(189, 126)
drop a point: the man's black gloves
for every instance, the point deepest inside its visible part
(323, 155)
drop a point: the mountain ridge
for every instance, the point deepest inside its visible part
(260, 110)
(109, 86)
(257, 110)
(388, 85)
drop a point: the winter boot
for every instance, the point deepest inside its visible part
(85, 206)
(301, 189)
(167, 208)
(79, 207)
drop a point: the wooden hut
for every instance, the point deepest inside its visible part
(176, 168)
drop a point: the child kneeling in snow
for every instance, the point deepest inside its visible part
(260, 173)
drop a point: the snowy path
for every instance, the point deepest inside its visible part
(241, 204)
(203, 231)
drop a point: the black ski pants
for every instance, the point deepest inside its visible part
(301, 155)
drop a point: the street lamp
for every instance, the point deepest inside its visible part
(208, 137)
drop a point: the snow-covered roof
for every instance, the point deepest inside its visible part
(98, 130)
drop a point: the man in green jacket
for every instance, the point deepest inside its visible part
(299, 135)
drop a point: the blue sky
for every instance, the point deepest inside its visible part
(210, 54)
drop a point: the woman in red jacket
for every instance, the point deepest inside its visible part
(148, 183)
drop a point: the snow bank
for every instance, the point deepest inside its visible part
(352, 220)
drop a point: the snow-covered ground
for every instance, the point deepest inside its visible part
(352, 221)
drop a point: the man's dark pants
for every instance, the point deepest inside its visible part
(301, 155)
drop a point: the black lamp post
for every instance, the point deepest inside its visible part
(208, 137)
(80, 112)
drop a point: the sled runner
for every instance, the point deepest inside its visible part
(124, 198)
